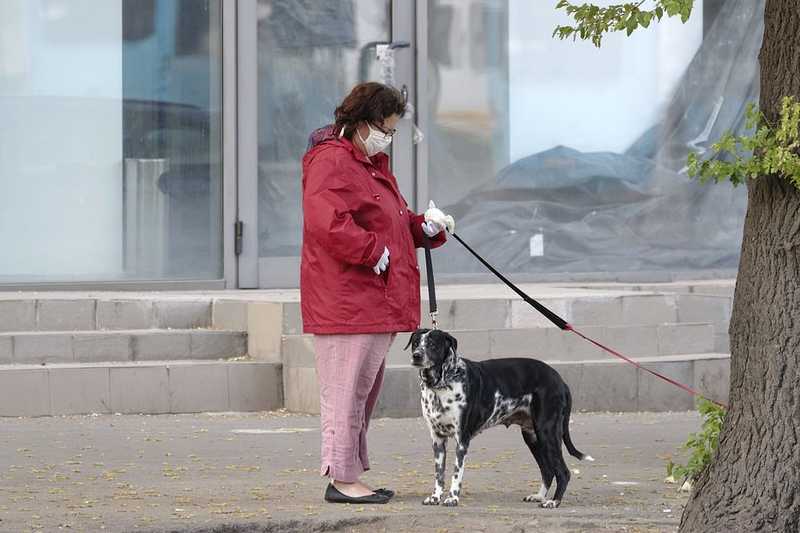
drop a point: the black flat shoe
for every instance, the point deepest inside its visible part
(387, 492)
(332, 495)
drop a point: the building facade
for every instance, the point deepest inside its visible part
(157, 143)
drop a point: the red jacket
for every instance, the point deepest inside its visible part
(353, 208)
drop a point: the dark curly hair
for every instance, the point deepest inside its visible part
(368, 102)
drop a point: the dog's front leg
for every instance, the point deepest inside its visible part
(439, 457)
(458, 473)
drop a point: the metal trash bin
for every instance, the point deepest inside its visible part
(144, 218)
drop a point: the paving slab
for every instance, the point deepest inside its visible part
(253, 472)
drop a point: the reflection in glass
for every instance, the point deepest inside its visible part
(110, 164)
(310, 54)
(562, 158)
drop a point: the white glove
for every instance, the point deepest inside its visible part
(436, 220)
(432, 228)
(383, 262)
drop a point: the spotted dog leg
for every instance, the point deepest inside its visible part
(439, 457)
(458, 474)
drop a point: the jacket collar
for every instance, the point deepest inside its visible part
(375, 161)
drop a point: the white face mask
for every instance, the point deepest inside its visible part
(376, 141)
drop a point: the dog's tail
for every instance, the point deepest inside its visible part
(573, 451)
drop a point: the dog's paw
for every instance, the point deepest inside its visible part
(550, 504)
(533, 498)
(431, 500)
(451, 501)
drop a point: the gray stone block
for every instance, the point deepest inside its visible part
(292, 319)
(256, 386)
(197, 388)
(572, 374)
(125, 314)
(400, 395)
(565, 346)
(298, 351)
(264, 331)
(480, 314)
(182, 314)
(6, 349)
(99, 347)
(17, 315)
(649, 309)
(722, 342)
(597, 311)
(79, 390)
(532, 342)
(631, 341)
(161, 345)
(712, 377)
(37, 348)
(208, 344)
(674, 339)
(473, 344)
(703, 308)
(301, 390)
(658, 395)
(139, 389)
(229, 315)
(397, 355)
(525, 316)
(66, 315)
(24, 392)
(607, 387)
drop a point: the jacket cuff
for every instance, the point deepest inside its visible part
(419, 235)
(376, 254)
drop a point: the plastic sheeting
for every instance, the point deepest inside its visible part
(632, 211)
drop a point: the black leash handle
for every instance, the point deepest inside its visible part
(431, 284)
(548, 314)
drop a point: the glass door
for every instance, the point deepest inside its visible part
(309, 55)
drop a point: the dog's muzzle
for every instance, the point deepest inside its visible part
(417, 359)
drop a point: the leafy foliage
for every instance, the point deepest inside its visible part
(592, 22)
(769, 150)
(701, 445)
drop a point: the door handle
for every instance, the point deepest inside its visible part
(384, 53)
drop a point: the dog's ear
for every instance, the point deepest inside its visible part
(414, 336)
(410, 340)
(453, 342)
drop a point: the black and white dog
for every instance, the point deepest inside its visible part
(461, 398)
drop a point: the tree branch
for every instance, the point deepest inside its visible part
(593, 22)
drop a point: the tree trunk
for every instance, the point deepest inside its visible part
(753, 483)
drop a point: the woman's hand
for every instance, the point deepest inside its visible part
(436, 221)
(383, 262)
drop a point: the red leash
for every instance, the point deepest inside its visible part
(640, 367)
(564, 325)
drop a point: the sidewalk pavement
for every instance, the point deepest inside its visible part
(258, 472)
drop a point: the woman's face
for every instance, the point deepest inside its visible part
(387, 126)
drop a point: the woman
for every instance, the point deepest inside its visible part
(359, 278)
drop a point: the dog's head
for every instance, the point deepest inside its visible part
(432, 350)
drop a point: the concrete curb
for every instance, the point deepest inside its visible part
(596, 385)
(152, 387)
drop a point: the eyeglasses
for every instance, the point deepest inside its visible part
(390, 133)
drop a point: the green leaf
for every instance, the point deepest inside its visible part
(763, 149)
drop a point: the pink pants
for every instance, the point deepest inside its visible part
(350, 374)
